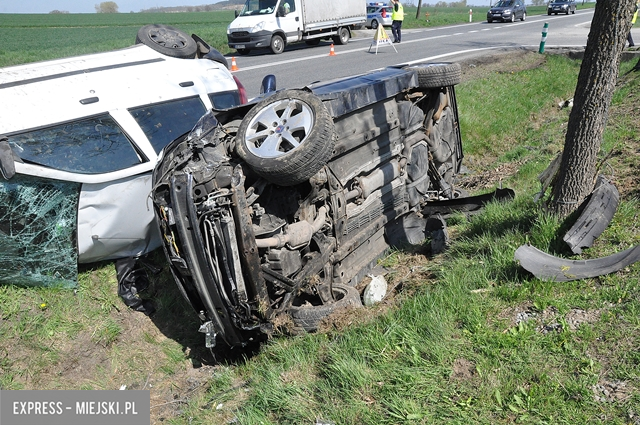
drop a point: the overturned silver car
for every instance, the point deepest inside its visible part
(272, 211)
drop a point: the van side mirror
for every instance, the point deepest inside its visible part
(236, 13)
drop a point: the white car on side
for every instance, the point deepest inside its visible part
(79, 138)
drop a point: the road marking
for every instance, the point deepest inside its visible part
(421, 40)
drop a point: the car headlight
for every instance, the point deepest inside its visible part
(258, 27)
(564, 6)
(506, 11)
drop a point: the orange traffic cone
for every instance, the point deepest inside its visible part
(332, 52)
(234, 66)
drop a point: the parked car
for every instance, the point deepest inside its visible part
(374, 15)
(507, 11)
(565, 7)
(271, 212)
(79, 139)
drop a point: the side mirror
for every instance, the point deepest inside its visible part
(7, 165)
(236, 13)
(268, 84)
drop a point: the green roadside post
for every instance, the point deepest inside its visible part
(544, 37)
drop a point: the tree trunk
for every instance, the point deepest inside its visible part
(418, 11)
(596, 83)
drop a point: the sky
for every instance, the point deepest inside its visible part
(124, 6)
(88, 6)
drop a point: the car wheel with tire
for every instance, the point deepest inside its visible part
(436, 75)
(167, 40)
(342, 37)
(286, 138)
(374, 24)
(513, 17)
(524, 17)
(277, 44)
(309, 316)
(489, 20)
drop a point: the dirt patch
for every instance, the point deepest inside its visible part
(549, 319)
(463, 370)
(489, 178)
(609, 391)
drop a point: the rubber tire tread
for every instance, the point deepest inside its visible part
(303, 162)
(436, 75)
(188, 52)
(309, 317)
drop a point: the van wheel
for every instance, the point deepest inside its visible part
(277, 44)
(436, 75)
(167, 40)
(287, 137)
(342, 37)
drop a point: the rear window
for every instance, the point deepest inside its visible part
(163, 122)
(89, 146)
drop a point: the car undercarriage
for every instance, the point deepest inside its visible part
(272, 212)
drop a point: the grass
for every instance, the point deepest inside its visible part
(466, 337)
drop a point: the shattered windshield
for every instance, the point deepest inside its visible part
(38, 232)
(258, 7)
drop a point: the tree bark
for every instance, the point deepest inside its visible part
(596, 83)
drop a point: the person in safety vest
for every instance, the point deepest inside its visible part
(397, 16)
(633, 21)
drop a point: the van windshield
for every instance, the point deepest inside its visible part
(258, 7)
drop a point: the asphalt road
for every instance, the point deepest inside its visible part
(300, 64)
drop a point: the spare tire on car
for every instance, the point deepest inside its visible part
(287, 137)
(435, 75)
(167, 40)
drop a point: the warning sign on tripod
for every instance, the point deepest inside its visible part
(381, 38)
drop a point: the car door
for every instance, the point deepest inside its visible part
(288, 19)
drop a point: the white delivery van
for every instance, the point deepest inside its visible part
(272, 24)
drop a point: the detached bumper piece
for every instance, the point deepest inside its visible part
(598, 212)
(555, 269)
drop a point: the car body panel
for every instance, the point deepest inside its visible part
(98, 121)
(555, 269)
(597, 212)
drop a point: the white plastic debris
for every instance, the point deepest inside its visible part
(375, 290)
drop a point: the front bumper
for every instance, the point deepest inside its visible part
(247, 40)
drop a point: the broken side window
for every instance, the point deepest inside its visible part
(164, 122)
